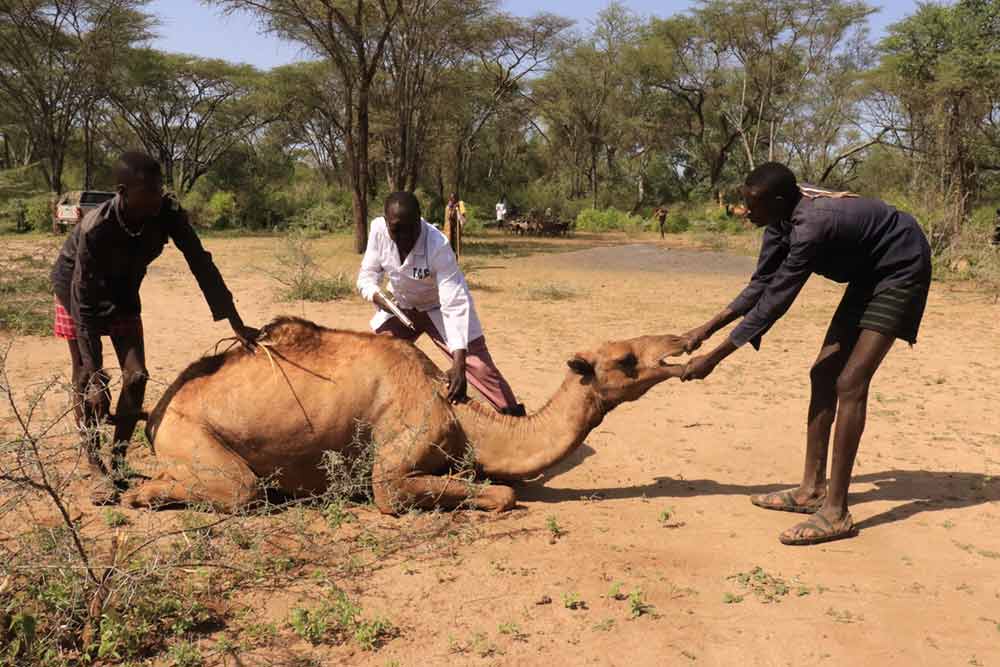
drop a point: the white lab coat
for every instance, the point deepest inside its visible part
(429, 281)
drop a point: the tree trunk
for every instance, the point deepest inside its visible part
(88, 153)
(360, 194)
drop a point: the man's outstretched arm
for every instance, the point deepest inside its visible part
(217, 295)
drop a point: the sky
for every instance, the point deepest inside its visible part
(188, 26)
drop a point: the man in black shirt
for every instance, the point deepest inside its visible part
(96, 281)
(883, 256)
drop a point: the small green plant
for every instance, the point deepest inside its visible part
(184, 654)
(638, 605)
(573, 601)
(336, 514)
(615, 592)
(555, 530)
(513, 631)
(730, 598)
(765, 587)
(336, 619)
(369, 635)
(114, 519)
(310, 625)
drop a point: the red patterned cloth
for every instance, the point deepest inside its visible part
(124, 327)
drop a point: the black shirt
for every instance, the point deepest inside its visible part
(101, 267)
(850, 239)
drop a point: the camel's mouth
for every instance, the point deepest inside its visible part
(672, 369)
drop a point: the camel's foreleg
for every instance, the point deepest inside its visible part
(198, 469)
(434, 492)
(399, 482)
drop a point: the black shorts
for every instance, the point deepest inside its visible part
(894, 311)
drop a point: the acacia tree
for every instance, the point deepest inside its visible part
(497, 72)
(310, 121)
(776, 48)
(940, 85)
(50, 52)
(680, 58)
(186, 111)
(431, 38)
(352, 34)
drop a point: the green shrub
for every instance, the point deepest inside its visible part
(37, 212)
(221, 210)
(677, 223)
(324, 217)
(609, 219)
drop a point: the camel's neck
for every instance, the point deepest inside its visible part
(517, 448)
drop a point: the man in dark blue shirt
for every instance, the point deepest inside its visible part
(883, 256)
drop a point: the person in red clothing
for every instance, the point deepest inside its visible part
(96, 281)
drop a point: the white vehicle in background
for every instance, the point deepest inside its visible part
(72, 206)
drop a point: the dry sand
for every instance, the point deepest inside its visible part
(919, 585)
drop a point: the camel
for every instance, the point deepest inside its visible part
(231, 420)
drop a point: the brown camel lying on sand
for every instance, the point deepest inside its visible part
(232, 420)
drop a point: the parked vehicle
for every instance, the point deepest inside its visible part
(72, 206)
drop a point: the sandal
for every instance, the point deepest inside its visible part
(823, 531)
(787, 502)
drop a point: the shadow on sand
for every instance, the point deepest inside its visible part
(917, 490)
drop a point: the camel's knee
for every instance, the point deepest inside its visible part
(497, 498)
(388, 497)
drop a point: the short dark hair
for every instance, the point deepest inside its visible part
(407, 200)
(136, 164)
(773, 180)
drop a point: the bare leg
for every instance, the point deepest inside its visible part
(85, 422)
(132, 361)
(832, 357)
(852, 387)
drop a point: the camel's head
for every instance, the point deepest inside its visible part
(624, 370)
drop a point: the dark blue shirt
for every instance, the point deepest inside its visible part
(848, 240)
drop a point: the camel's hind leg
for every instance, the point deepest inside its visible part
(198, 468)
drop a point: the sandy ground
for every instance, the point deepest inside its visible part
(919, 585)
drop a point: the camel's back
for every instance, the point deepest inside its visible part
(304, 379)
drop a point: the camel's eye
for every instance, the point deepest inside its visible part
(628, 361)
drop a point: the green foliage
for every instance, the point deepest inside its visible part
(114, 519)
(300, 276)
(677, 223)
(221, 210)
(324, 217)
(25, 297)
(336, 620)
(609, 219)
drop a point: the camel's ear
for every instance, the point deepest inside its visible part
(581, 366)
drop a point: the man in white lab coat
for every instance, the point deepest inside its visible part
(429, 287)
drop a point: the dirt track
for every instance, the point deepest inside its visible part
(919, 585)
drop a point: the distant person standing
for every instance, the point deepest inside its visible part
(501, 209)
(454, 221)
(661, 214)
